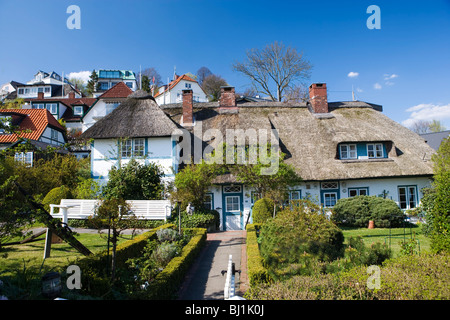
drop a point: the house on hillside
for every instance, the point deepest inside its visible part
(339, 149)
(172, 92)
(8, 91)
(105, 104)
(109, 78)
(136, 129)
(36, 126)
(50, 85)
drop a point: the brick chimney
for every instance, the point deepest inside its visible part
(188, 108)
(71, 95)
(227, 101)
(318, 97)
(40, 95)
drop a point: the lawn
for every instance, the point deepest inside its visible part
(13, 258)
(392, 237)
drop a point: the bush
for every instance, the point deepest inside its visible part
(55, 195)
(416, 277)
(262, 210)
(299, 235)
(357, 211)
(257, 273)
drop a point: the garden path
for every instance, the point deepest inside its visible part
(204, 280)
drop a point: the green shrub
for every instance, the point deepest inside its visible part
(262, 210)
(257, 273)
(298, 235)
(415, 277)
(358, 254)
(357, 211)
(55, 195)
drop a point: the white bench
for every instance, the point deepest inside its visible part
(83, 209)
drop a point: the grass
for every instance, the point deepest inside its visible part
(392, 237)
(30, 255)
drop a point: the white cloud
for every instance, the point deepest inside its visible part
(388, 76)
(377, 86)
(353, 74)
(83, 75)
(427, 112)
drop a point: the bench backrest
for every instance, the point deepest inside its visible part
(143, 209)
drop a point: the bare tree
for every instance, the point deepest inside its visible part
(153, 76)
(274, 68)
(423, 126)
(211, 86)
(297, 93)
(202, 73)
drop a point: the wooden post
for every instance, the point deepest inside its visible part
(48, 243)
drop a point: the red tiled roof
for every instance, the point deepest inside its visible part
(120, 90)
(173, 83)
(68, 102)
(34, 122)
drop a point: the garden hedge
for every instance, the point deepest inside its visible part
(357, 211)
(168, 281)
(95, 281)
(257, 273)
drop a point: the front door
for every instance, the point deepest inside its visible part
(233, 207)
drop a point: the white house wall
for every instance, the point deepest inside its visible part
(105, 154)
(312, 190)
(47, 137)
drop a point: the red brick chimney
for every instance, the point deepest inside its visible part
(188, 108)
(71, 95)
(40, 95)
(227, 101)
(318, 97)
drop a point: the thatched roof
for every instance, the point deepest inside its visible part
(311, 141)
(137, 116)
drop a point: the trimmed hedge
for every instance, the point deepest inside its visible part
(262, 210)
(168, 281)
(95, 281)
(257, 273)
(357, 211)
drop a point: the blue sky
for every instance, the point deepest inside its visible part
(404, 66)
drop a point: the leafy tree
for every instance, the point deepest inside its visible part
(145, 83)
(135, 182)
(274, 69)
(193, 182)
(80, 85)
(12, 104)
(92, 84)
(211, 85)
(440, 211)
(115, 214)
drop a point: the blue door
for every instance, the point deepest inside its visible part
(232, 197)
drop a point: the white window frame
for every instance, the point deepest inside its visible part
(50, 107)
(76, 112)
(126, 149)
(38, 106)
(208, 203)
(358, 191)
(54, 134)
(325, 194)
(408, 200)
(377, 150)
(238, 203)
(330, 185)
(350, 151)
(228, 191)
(139, 148)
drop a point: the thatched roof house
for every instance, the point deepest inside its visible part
(339, 149)
(310, 139)
(137, 116)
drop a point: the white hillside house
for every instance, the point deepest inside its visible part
(173, 92)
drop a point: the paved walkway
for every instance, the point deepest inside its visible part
(204, 280)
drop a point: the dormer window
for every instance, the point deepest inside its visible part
(375, 150)
(78, 110)
(348, 151)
